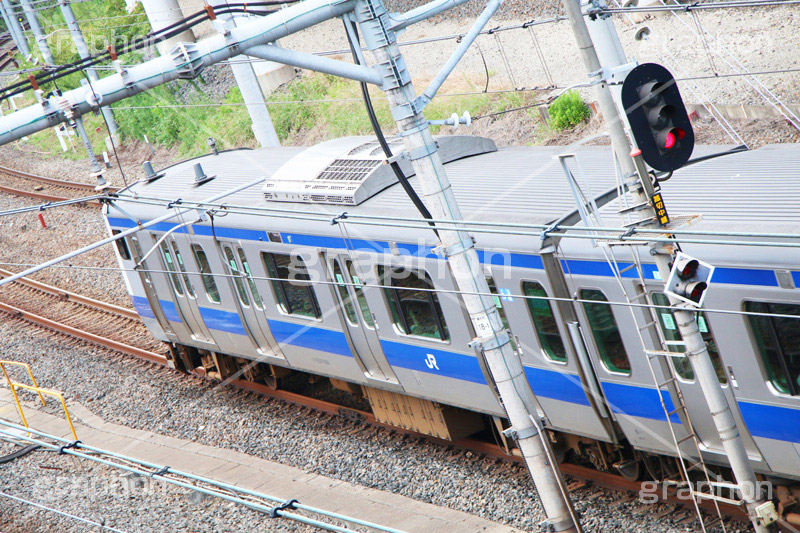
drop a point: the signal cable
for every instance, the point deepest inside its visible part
(373, 119)
(60, 512)
(148, 40)
(693, 7)
(108, 129)
(695, 89)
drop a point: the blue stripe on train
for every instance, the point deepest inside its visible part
(307, 336)
(440, 362)
(142, 306)
(771, 421)
(170, 311)
(556, 385)
(640, 402)
(734, 276)
(222, 320)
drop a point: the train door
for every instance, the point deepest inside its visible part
(694, 399)
(150, 290)
(249, 300)
(357, 320)
(183, 291)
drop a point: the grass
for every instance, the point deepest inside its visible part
(568, 111)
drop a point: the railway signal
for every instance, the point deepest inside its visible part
(658, 118)
(688, 279)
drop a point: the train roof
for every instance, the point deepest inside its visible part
(518, 184)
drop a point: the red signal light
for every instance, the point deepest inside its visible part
(696, 290)
(687, 268)
(670, 141)
(672, 137)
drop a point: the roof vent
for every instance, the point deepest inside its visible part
(149, 173)
(352, 169)
(200, 175)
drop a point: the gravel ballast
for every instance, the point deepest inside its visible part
(192, 408)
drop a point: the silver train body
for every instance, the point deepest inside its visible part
(216, 285)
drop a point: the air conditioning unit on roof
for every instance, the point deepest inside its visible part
(352, 169)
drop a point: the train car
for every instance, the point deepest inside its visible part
(324, 268)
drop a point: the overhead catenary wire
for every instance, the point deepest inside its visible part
(732, 61)
(642, 235)
(454, 292)
(697, 6)
(694, 88)
(60, 512)
(150, 39)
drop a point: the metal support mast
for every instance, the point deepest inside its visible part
(38, 34)
(503, 362)
(639, 184)
(14, 27)
(83, 51)
(78, 125)
(253, 96)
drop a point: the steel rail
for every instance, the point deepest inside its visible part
(45, 197)
(83, 335)
(73, 296)
(45, 179)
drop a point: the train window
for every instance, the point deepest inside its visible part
(122, 245)
(205, 273)
(182, 267)
(250, 282)
(415, 307)
(675, 341)
(176, 280)
(778, 340)
(237, 279)
(499, 304)
(289, 276)
(362, 300)
(545, 322)
(605, 332)
(344, 294)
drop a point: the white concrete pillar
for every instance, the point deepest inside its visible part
(163, 13)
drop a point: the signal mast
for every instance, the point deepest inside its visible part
(662, 130)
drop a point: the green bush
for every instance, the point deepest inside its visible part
(568, 111)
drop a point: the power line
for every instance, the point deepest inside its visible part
(739, 74)
(368, 284)
(693, 7)
(60, 512)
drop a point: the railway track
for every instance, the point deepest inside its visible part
(80, 317)
(20, 183)
(120, 329)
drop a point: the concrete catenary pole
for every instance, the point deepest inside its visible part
(38, 34)
(163, 13)
(502, 361)
(638, 181)
(253, 96)
(14, 27)
(83, 51)
(87, 143)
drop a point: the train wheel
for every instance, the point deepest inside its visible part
(653, 466)
(630, 470)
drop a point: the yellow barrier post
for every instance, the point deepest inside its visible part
(11, 386)
(36, 388)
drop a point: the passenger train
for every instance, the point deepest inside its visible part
(323, 268)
